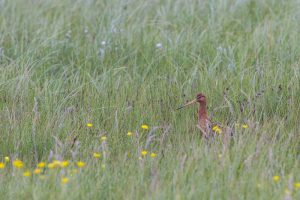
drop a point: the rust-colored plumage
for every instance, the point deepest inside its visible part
(205, 125)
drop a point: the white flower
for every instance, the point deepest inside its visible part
(86, 30)
(103, 43)
(159, 45)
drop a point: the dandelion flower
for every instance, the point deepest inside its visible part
(57, 163)
(276, 178)
(18, 163)
(6, 158)
(2, 165)
(64, 180)
(80, 164)
(103, 138)
(287, 191)
(41, 165)
(129, 134)
(54, 164)
(245, 126)
(89, 125)
(27, 173)
(297, 185)
(51, 165)
(217, 129)
(64, 164)
(144, 153)
(145, 127)
(37, 171)
(96, 155)
(153, 155)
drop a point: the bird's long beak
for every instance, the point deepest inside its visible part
(187, 104)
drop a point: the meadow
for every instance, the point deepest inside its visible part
(89, 91)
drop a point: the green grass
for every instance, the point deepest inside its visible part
(56, 76)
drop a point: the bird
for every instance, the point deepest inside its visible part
(206, 126)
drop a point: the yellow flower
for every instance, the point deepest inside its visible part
(245, 126)
(27, 173)
(64, 164)
(37, 171)
(145, 127)
(276, 178)
(51, 165)
(103, 138)
(144, 153)
(64, 180)
(96, 155)
(153, 155)
(2, 165)
(129, 133)
(217, 129)
(54, 164)
(80, 164)
(6, 158)
(297, 185)
(41, 164)
(89, 125)
(18, 163)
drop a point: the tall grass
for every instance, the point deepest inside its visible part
(64, 64)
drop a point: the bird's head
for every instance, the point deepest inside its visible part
(200, 98)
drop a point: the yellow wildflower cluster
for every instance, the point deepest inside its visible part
(37, 171)
(56, 164)
(64, 180)
(80, 164)
(27, 173)
(144, 153)
(276, 178)
(41, 165)
(96, 155)
(89, 125)
(297, 185)
(217, 129)
(145, 127)
(153, 155)
(245, 126)
(18, 163)
(2, 165)
(129, 133)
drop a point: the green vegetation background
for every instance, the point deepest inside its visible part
(57, 75)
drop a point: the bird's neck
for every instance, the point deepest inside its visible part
(202, 111)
